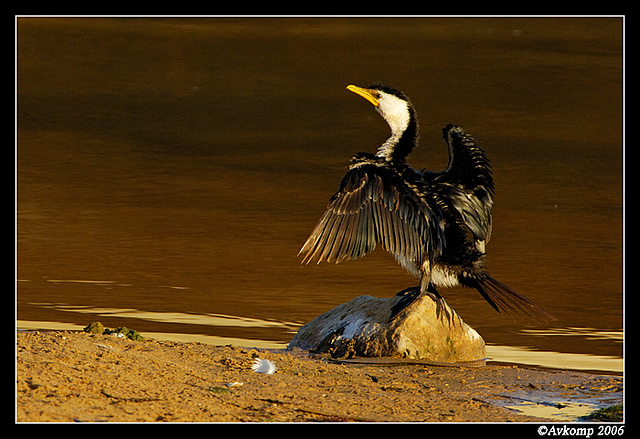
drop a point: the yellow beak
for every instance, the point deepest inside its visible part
(369, 95)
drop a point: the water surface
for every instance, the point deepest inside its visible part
(174, 167)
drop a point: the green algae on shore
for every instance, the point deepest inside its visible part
(98, 328)
(612, 413)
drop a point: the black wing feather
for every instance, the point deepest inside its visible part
(375, 205)
(467, 183)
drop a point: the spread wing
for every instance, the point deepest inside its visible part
(375, 205)
(467, 182)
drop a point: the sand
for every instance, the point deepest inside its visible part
(80, 377)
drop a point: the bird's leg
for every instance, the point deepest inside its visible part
(442, 309)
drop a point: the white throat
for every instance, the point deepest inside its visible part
(396, 112)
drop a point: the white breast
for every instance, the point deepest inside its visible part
(443, 277)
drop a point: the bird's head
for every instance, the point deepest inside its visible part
(396, 109)
(393, 105)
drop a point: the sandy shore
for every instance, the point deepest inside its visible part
(81, 377)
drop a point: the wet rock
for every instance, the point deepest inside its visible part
(362, 327)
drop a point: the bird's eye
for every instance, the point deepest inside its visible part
(378, 96)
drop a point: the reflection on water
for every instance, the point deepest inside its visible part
(554, 360)
(172, 317)
(563, 411)
(175, 166)
(560, 407)
(588, 333)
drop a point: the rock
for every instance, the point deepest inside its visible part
(131, 334)
(94, 328)
(98, 328)
(362, 328)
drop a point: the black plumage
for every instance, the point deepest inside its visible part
(435, 224)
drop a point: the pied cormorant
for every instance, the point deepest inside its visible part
(435, 224)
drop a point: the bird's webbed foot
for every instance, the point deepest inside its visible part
(443, 311)
(408, 296)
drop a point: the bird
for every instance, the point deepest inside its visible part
(435, 224)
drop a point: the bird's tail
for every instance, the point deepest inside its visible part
(503, 299)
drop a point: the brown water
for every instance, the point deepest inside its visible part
(169, 170)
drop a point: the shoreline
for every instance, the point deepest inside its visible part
(69, 376)
(496, 354)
